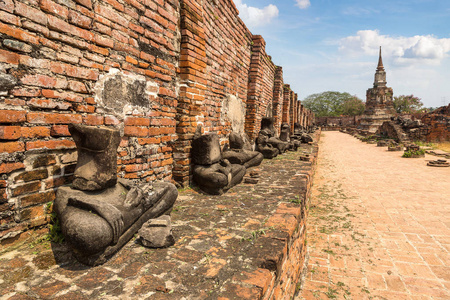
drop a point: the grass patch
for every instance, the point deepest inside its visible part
(329, 251)
(412, 153)
(331, 293)
(54, 227)
(256, 233)
(296, 200)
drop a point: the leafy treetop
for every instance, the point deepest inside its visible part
(407, 104)
(331, 104)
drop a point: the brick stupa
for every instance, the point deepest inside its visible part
(379, 104)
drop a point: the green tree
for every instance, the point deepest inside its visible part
(353, 107)
(407, 104)
(333, 104)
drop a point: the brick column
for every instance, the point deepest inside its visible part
(286, 102)
(278, 97)
(293, 110)
(260, 87)
(254, 86)
(302, 115)
(192, 86)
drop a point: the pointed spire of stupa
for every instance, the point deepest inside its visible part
(380, 63)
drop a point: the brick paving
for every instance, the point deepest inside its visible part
(379, 224)
(227, 247)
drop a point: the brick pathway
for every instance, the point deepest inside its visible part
(379, 224)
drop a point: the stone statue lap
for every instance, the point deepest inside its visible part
(240, 152)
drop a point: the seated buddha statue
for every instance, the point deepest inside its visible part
(240, 151)
(99, 213)
(211, 172)
(263, 146)
(269, 130)
(285, 136)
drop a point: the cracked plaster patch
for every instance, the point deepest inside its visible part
(123, 94)
(234, 110)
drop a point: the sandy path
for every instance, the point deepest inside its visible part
(379, 224)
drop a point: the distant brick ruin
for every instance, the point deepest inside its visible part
(336, 123)
(379, 104)
(380, 117)
(156, 69)
(428, 127)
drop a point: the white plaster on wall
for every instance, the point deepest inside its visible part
(123, 94)
(233, 109)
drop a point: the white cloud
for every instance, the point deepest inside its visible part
(421, 49)
(303, 4)
(256, 17)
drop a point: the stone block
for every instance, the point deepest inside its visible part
(157, 233)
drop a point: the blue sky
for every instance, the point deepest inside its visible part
(333, 45)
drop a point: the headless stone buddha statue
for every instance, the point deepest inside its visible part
(263, 146)
(213, 174)
(298, 129)
(240, 151)
(297, 135)
(100, 212)
(301, 134)
(268, 130)
(285, 136)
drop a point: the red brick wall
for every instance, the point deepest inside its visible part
(286, 103)
(192, 85)
(292, 108)
(438, 125)
(214, 64)
(278, 97)
(260, 87)
(58, 53)
(299, 111)
(228, 51)
(154, 68)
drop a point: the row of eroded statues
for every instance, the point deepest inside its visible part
(99, 213)
(216, 170)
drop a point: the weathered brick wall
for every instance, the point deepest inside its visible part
(301, 116)
(286, 103)
(155, 69)
(260, 87)
(228, 51)
(192, 85)
(299, 112)
(438, 125)
(82, 62)
(214, 68)
(392, 130)
(292, 110)
(278, 97)
(338, 121)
